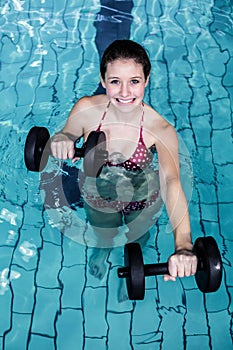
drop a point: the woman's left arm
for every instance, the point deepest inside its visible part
(183, 262)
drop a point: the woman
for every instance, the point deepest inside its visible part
(133, 129)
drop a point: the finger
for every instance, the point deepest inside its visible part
(75, 159)
(53, 149)
(190, 264)
(56, 150)
(181, 268)
(188, 268)
(167, 278)
(70, 152)
(172, 266)
(185, 265)
(65, 150)
(177, 266)
(60, 151)
(194, 266)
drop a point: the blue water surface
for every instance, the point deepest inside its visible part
(50, 53)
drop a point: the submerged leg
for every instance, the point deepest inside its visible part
(97, 265)
(105, 226)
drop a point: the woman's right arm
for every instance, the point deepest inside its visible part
(62, 143)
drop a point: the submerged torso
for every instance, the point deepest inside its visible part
(125, 184)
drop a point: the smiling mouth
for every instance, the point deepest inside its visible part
(126, 101)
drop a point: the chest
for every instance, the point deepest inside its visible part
(125, 138)
(122, 138)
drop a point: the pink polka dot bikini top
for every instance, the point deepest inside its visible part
(141, 157)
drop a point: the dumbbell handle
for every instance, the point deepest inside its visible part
(149, 270)
(153, 269)
(80, 152)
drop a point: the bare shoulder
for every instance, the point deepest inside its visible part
(86, 114)
(161, 129)
(87, 102)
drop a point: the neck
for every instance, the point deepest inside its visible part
(126, 116)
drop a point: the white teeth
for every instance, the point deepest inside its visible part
(125, 101)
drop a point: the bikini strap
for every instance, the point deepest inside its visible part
(103, 117)
(142, 120)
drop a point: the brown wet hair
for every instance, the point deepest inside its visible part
(125, 49)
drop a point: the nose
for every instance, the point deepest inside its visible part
(125, 91)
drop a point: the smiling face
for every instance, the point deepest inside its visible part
(125, 84)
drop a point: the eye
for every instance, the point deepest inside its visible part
(134, 81)
(114, 81)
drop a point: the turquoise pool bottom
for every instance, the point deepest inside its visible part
(49, 298)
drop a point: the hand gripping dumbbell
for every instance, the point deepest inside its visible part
(37, 150)
(208, 276)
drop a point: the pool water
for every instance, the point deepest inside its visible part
(50, 53)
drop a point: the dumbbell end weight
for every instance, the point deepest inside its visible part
(95, 153)
(209, 270)
(135, 271)
(37, 148)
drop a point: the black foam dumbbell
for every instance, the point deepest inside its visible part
(37, 150)
(208, 276)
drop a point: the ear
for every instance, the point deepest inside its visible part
(147, 80)
(103, 82)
